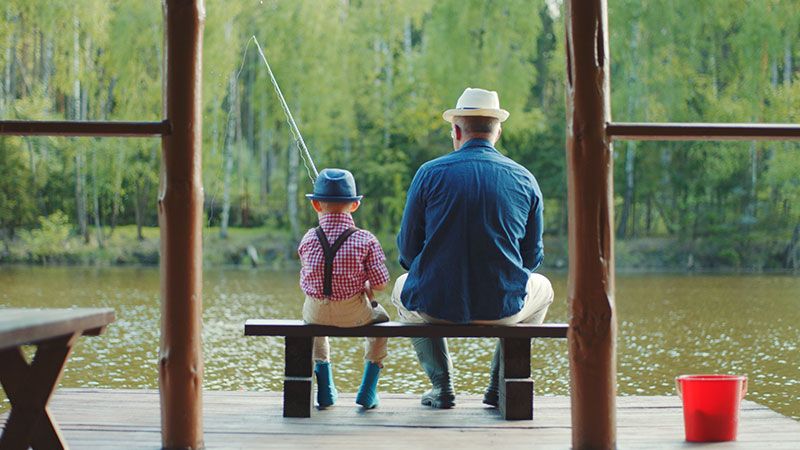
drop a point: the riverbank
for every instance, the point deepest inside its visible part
(275, 249)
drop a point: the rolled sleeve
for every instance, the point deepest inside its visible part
(531, 247)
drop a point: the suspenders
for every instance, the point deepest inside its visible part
(329, 252)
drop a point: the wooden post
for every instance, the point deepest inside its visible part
(180, 207)
(592, 328)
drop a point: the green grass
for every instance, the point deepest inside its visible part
(60, 245)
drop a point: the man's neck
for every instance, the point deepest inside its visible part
(483, 137)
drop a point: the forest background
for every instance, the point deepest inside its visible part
(367, 82)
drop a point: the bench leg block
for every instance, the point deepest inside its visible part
(297, 400)
(516, 399)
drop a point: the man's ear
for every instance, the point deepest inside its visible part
(354, 206)
(499, 132)
(458, 131)
(316, 205)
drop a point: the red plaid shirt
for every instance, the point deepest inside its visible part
(359, 259)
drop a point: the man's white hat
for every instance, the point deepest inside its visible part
(477, 102)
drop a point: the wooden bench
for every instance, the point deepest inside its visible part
(29, 385)
(516, 386)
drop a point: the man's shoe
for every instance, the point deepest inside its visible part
(492, 395)
(491, 398)
(440, 398)
(326, 391)
(435, 360)
(368, 392)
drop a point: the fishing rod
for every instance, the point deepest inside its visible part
(298, 138)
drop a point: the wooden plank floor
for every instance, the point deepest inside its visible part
(129, 419)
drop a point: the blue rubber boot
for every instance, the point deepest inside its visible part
(326, 391)
(435, 360)
(368, 392)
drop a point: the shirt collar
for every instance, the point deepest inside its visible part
(476, 142)
(330, 220)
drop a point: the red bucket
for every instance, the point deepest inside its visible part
(711, 405)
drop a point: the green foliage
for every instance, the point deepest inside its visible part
(367, 82)
(16, 207)
(50, 239)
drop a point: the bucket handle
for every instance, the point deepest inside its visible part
(744, 389)
(678, 388)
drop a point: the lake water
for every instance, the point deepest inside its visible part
(668, 325)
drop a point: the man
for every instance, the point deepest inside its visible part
(470, 238)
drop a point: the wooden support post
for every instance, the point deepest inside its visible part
(180, 208)
(592, 327)
(298, 377)
(516, 385)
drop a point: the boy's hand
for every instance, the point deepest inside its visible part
(368, 291)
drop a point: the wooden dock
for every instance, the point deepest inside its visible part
(129, 419)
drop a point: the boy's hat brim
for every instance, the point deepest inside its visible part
(334, 199)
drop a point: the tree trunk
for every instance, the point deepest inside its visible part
(787, 62)
(6, 95)
(32, 164)
(47, 67)
(98, 224)
(116, 199)
(791, 260)
(10, 56)
(80, 194)
(627, 205)
(752, 204)
(138, 207)
(6, 242)
(265, 147)
(388, 101)
(630, 150)
(227, 156)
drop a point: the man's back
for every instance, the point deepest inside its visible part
(471, 235)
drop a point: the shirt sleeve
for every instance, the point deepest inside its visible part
(303, 246)
(531, 247)
(412, 227)
(375, 264)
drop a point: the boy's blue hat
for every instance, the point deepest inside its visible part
(335, 185)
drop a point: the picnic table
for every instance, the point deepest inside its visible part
(29, 386)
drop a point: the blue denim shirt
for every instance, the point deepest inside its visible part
(471, 235)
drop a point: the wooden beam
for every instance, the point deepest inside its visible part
(592, 327)
(180, 209)
(98, 129)
(702, 131)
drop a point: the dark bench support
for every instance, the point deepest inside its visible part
(515, 384)
(297, 392)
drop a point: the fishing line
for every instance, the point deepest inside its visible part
(298, 138)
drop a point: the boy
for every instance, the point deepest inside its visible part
(341, 267)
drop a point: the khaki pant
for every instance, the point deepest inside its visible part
(353, 312)
(538, 297)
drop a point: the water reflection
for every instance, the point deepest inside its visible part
(668, 325)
